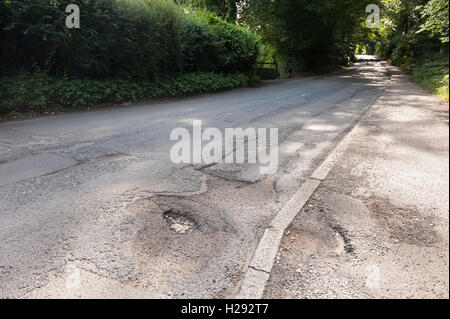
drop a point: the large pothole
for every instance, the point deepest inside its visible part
(198, 241)
(180, 223)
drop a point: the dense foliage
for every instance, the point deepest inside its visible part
(307, 34)
(147, 39)
(435, 16)
(432, 73)
(225, 9)
(131, 49)
(39, 92)
(124, 50)
(414, 35)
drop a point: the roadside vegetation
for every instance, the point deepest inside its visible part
(306, 35)
(128, 50)
(414, 35)
(41, 93)
(124, 50)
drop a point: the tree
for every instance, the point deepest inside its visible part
(225, 9)
(308, 33)
(435, 14)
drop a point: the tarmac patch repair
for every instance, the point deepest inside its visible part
(33, 166)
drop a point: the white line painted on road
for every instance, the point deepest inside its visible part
(323, 170)
(290, 210)
(264, 257)
(267, 250)
(258, 272)
(253, 285)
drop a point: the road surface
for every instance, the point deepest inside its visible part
(92, 206)
(377, 226)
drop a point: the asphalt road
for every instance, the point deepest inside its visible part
(377, 226)
(92, 206)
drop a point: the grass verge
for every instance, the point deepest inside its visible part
(432, 73)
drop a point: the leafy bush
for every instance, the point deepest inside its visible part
(403, 53)
(234, 48)
(39, 92)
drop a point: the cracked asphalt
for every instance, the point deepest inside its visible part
(377, 227)
(114, 209)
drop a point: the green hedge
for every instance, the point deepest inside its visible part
(124, 50)
(40, 92)
(234, 48)
(138, 39)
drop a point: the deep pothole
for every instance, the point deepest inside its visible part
(179, 222)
